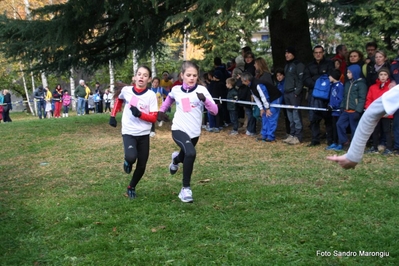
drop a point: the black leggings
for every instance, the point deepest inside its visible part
(136, 148)
(186, 155)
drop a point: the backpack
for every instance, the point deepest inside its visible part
(322, 87)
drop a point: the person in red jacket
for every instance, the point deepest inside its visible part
(57, 98)
(140, 111)
(383, 128)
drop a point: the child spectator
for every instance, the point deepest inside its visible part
(90, 102)
(66, 101)
(264, 94)
(336, 96)
(387, 104)
(139, 113)
(107, 99)
(280, 79)
(383, 127)
(49, 108)
(161, 94)
(215, 88)
(97, 100)
(352, 105)
(232, 94)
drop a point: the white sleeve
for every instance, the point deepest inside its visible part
(262, 97)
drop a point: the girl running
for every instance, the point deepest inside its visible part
(139, 113)
(190, 99)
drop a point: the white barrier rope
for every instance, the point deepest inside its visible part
(275, 105)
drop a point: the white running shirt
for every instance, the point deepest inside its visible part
(189, 109)
(146, 103)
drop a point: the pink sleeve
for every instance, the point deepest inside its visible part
(211, 107)
(166, 104)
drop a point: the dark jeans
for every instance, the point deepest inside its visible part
(234, 119)
(251, 125)
(294, 115)
(41, 107)
(137, 148)
(382, 133)
(186, 155)
(347, 119)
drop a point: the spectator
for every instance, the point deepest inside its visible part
(280, 80)
(48, 100)
(264, 94)
(262, 71)
(293, 95)
(318, 67)
(1, 105)
(166, 82)
(66, 101)
(383, 127)
(107, 99)
(372, 68)
(395, 76)
(356, 57)
(160, 93)
(336, 96)
(40, 95)
(80, 93)
(57, 98)
(352, 105)
(7, 106)
(232, 94)
(249, 66)
(387, 104)
(341, 53)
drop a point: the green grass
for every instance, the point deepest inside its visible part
(264, 203)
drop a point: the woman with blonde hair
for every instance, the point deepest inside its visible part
(262, 70)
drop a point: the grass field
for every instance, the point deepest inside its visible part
(62, 201)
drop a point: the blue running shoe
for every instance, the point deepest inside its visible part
(331, 147)
(131, 193)
(339, 148)
(127, 167)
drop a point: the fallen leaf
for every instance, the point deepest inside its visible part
(204, 181)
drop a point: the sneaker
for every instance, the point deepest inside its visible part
(288, 139)
(203, 127)
(313, 143)
(261, 139)
(387, 152)
(209, 129)
(234, 132)
(339, 147)
(381, 148)
(270, 140)
(395, 152)
(225, 124)
(160, 123)
(186, 195)
(173, 167)
(216, 130)
(152, 134)
(131, 193)
(331, 147)
(127, 167)
(249, 133)
(294, 141)
(372, 150)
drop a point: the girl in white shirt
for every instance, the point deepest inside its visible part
(139, 113)
(190, 98)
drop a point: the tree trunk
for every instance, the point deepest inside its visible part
(111, 76)
(26, 92)
(289, 26)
